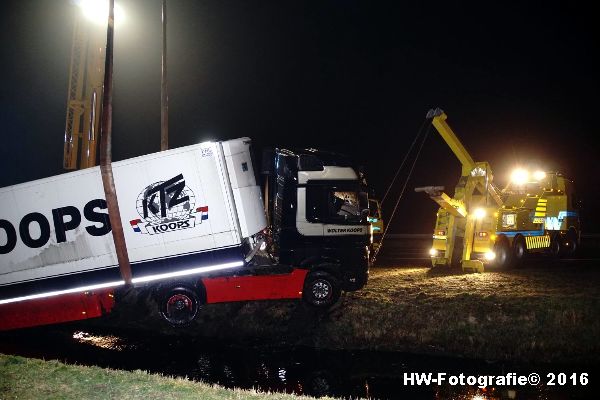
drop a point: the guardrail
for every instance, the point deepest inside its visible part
(428, 236)
(408, 236)
(590, 242)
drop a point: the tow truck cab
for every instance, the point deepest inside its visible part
(318, 207)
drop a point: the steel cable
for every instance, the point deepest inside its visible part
(420, 131)
(405, 184)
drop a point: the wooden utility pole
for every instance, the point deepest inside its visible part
(164, 101)
(106, 155)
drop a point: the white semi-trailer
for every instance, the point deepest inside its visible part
(193, 217)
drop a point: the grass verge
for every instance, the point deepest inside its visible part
(22, 378)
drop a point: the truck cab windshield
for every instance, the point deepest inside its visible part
(335, 203)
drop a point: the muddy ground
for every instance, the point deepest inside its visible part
(546, 311)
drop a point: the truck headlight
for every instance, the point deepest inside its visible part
(519, 176)
(539, 175)
(433, 252)
(490, 255)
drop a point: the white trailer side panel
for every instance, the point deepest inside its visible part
(204, 221)
(80, 251)
(177, 208)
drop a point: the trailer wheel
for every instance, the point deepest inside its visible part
(519, 250)
(179, 305)
(503, 254)
(321, 289)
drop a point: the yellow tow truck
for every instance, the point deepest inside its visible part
(483, 225)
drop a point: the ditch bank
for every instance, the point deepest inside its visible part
(543, 313)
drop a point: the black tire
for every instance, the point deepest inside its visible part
(503, 252)
(556, 246)
(321, 289)
(519, 251)
(179, 305)
(571, 243)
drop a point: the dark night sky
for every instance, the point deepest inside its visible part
(516, 79)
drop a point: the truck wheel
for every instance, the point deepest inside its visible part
(321, 289)
(503, 254)
(179, 305)
(519, 250)
(571, 244)
(556, 246)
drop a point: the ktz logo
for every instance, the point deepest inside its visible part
(167, 206)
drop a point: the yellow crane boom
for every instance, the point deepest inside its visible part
(438, 119)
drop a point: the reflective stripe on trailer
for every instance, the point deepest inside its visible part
(537, 242)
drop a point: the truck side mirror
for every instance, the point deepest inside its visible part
(363, 204)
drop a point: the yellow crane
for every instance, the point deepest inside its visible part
(84, 103)
(454, 238)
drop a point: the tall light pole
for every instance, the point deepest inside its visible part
(106, 155)
(164, 101)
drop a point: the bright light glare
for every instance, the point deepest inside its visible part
(186, 272)
(433, 252)
(490, 255)
(97, 11)
(539, 175)
(479, 213)
(148, 278)
(62, 292)
(519, 176)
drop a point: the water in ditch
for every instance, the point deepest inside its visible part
(299, 370)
